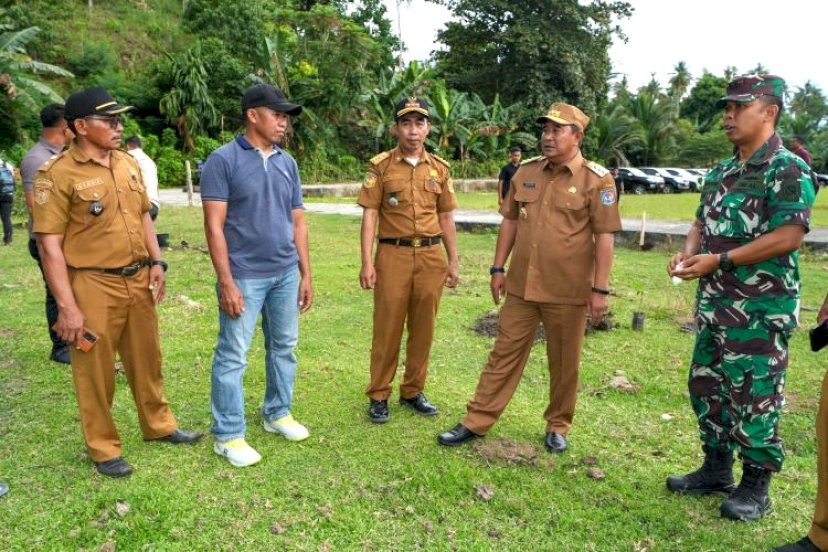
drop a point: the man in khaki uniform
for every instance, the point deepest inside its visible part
(558, 223)
(410, 193)
(102, 263)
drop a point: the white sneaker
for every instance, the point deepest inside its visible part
(287, 426)
(237, 452)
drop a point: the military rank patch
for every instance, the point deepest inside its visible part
(370, 180)
(608, 196)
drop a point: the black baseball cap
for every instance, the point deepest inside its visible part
(267, 95)
(411, 104)
(93, 101)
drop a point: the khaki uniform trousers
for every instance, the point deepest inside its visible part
(564, 325)
(121, 312)
(408, 289)
(819, 528)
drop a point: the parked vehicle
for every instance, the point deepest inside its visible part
(636, 182)
(694, 178)
(673, 183)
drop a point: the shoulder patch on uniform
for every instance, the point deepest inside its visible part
(596, 168)
(380, 158)
(370, 180)
(441, 160)
(531, 160)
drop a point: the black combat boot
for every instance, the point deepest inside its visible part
(715, 475)
(750, 500)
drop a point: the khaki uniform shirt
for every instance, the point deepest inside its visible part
(421, 193)
(558, 209)
(65, 190)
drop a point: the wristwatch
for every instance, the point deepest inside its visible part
(161, 263)
(725, 263)
(496, 269)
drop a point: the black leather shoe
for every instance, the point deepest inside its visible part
(457, 435)
(117, 467)
(802, 545)
(555, 442)
(180, 436)
(60, 354)
(420, 405)
(378, 412)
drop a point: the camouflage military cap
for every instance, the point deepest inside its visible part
(565, 114)
(747, 88)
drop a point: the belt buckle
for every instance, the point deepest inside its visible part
(416, 242)
(131, 270)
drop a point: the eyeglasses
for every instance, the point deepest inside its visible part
(113, 122)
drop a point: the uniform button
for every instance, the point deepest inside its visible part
(125, 211)
(546, 203)
(95, 194)
(534, 245)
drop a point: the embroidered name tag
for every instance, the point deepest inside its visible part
(88, 184)
(529, 185)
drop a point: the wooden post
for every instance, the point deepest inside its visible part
(189, 183)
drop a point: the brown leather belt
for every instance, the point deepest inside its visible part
(412, 242)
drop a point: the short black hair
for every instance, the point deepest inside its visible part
(52, 114)
(773, 100)
(513, 149)
(133, 141)
(798, 138)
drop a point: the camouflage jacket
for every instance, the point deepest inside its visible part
(739, 203)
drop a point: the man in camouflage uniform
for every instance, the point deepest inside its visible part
(754, 212)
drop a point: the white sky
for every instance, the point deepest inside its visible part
(789, 38)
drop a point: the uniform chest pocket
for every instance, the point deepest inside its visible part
(570, 202)
(94, 203)
(527, 195)
(739, 215)
(396, 192)
(135, 183)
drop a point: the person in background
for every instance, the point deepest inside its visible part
(506, 174)
(149, 172)
(54, 137)
(7, 188)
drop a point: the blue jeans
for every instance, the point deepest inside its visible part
(277, 299)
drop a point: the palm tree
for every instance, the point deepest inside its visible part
(679, 82)
(18, 69)
(655, 118)
(615, 132)
(188, 103)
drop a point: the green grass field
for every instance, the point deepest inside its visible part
(356, 486)
(657, 206)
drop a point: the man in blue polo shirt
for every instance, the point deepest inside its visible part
(258, 241)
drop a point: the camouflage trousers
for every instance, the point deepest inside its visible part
(737, 380)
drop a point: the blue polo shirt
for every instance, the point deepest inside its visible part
(261, 192)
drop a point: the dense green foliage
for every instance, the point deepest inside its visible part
(185, 64)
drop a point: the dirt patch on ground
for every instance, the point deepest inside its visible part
(7, 332)
(486, 326)
(510, 453)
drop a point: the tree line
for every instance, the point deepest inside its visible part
(185, 64)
